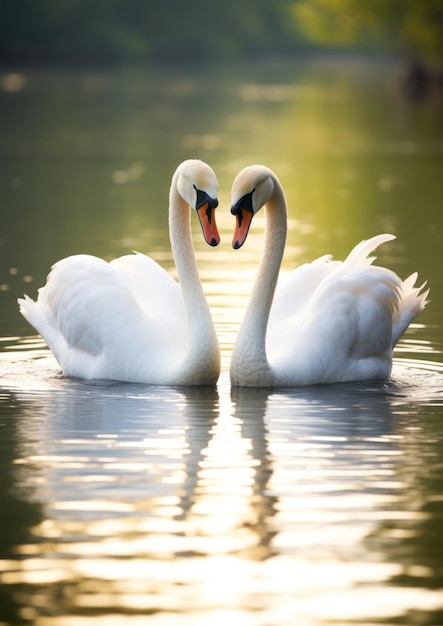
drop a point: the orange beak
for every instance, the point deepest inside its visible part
(206, 215)
(243, 221)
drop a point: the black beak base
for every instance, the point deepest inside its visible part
(204, 198)
(245, 202)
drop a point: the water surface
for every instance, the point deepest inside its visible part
(208, 506)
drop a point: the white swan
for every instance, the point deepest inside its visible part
(129, 320)
(330, 321)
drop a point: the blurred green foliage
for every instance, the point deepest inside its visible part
(412, 27)
(139, 31)
(109, 31)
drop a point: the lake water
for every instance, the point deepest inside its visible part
(194, 507)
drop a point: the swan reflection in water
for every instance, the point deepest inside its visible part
(187, 500)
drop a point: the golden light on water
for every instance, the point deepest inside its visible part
(189, 533)
(190, 507)
(159, 519)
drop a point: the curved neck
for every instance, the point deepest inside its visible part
(202, 354)
(249, 355)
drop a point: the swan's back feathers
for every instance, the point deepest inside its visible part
(360, 304)
(296, 290)
(154, 289)
(359, 254)
(91, 312)
(336, 317)
(353, 309)
(297, 287)
(411, 300)
(300, 285)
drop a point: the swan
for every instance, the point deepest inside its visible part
(330, 321)
(129, 320)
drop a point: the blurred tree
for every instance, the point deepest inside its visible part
(141, 30)
(414, 27)
(113, 31)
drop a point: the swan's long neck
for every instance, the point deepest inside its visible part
(203, 354)
(249, 355)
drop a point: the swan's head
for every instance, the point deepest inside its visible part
(198, 186)
(251, 189)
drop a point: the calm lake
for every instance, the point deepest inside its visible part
(206, 507)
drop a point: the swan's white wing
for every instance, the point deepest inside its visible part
(345, 326)
(295, 290)
(356, 306)
(97, 327)
(290, 313)
(156, 292)
(332, 318)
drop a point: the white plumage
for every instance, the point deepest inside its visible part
(329, 321)
(129, 320)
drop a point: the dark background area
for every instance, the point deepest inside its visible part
(108, 32)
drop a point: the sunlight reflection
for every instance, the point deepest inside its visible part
(155, 516)
(188, 507)
(95, 505)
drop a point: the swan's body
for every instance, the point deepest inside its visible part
(129, 320)
(330, 321)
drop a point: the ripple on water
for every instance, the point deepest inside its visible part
(198, 506)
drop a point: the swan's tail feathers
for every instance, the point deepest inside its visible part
(412, 302)
(30, 310)
(36, 315)
(359, 255)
